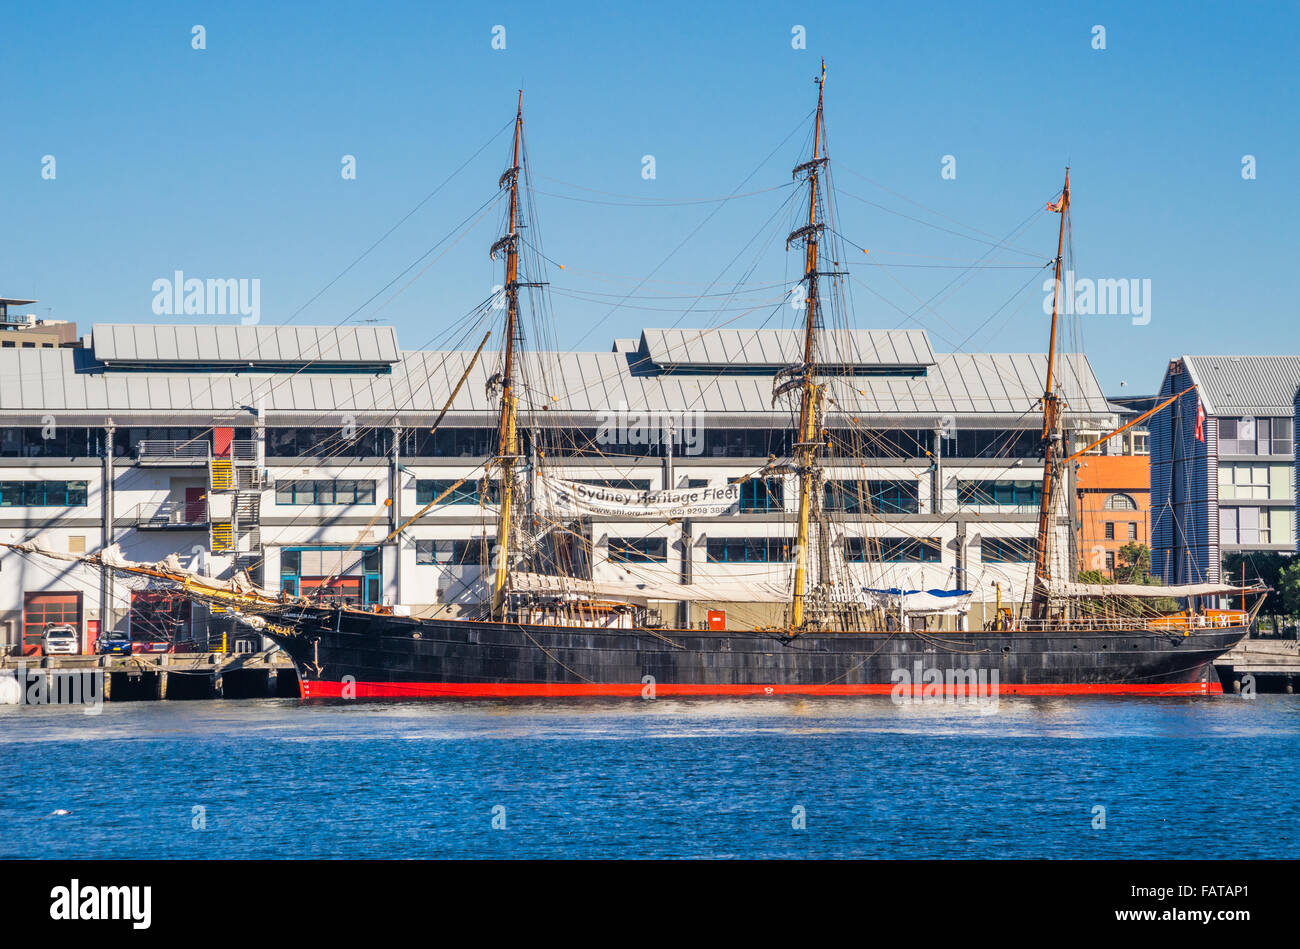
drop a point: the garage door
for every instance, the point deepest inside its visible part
(42, 608)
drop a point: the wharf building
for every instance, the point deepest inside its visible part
(292, 453)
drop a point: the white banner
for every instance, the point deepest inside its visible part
(574, 499)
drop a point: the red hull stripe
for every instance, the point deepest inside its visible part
(438, 690)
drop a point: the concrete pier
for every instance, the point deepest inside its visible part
(1266, 665)
(173, 676)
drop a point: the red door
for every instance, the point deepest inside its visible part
(196, 505)
(40, 609)
(221, 439)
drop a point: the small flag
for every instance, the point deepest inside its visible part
(1056, 206)
(1200, 421)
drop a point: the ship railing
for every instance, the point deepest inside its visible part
(1220, 619)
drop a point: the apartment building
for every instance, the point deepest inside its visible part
(1223, 463)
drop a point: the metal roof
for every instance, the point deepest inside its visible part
(123, 343)
(1245, 385)
(570, 388)
(781, 347)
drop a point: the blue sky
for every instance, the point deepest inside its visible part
(225, 162)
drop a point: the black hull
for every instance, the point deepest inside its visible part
(365, 655)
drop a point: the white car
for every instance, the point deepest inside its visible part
(60, 639)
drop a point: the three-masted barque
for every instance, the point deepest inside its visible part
(538, 631)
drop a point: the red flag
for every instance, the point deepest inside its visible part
(1200, 421)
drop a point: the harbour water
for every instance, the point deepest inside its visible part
(775, 777)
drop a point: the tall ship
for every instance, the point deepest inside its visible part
(536, 620)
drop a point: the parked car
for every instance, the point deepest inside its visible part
(113, 644)
(60, 639)
(151, 645)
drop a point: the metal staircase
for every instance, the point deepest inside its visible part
(235, 501)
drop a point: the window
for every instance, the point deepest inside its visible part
(697, 482)
(449, 442)
(307, 491)
(882, 497)
(746, 442)
(1255, 525)
(467, 493)
(1022, 493)
(1120, 502)
(1110, 561)
(1007, 550)
(893, 549)
(749, 549)
(43, 493)
(452, 552)
(991, 443)
(1241, 481)
(1110, 530)
(1255, 436)
(638, 549)
(1132, 531)
(761, 495)
(348, 575)
(362, 442)
(880, 443)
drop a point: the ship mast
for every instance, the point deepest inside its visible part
(806, 446)
(508, 433)
(1051, 428)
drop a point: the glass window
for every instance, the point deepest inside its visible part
(761, 495)
(447, 552)
(466, 493)
(43, 493)
(1018, 493)
(748, 549)
(638, 549)
(1007, 550)
(1120, 502)
(883, 497)
(893, 549)
(324, 491)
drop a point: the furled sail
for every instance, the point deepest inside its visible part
(1065, 589)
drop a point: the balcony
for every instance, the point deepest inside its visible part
(243, 450)
(194, 452)
(172, 515)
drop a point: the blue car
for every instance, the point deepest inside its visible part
(113, 644)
